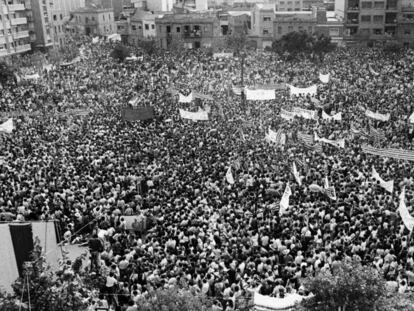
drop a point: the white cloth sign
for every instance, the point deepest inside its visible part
(185, 99)
(32, 77)
(407, 219)
(260, 94)
(222, 55)
(275, 304)
(273, 136)
(387, 185)
(412, 118)
(312, 90)
(287, 115)
(284, 202)
(339, 143)
(296, 174)
(195, 116)
(335, 117)
(95, 40)
(377, 116)
(229, 176)
(324, 78)
(114, 37)
(304, 113)
(7, 127)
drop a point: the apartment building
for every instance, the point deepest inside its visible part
(289, 5)
(39, 16)
(196, 30)
(14, 33)
(93, 21)
(137, 27)
(262, 24)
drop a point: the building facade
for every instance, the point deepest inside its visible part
(14, 31)
(193, 30)
(289, 5)
(160, 5)
(39, 15)
(60, 17)
(93, 21)
(262, 25)
(286, 22)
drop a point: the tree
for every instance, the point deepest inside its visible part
(236, 41)
(321, 45)
(149, 46)
(351, 285)
(6, 73)
(120, 52)
(174, 299)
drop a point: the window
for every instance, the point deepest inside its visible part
(364, 31)
(93, 18)
(152, 26)
(265, 31)
(54, 17)
(267, 19)
(147, 27)
(168, 28)
(282, 2)
(300, 28)
(109, 17)
(334, 32)
(140, 27)
(61, 16)
(279, 30)
(86, 20)
(407, 32)
(103, 16)
(366, 5)
(178, 29)
(377, 31)
(379, 5)
(134, 27)
(297, 3)
(365, 18)
(378, 18)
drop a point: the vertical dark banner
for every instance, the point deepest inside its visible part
(22, 239)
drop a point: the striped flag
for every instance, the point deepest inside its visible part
(376, 134)
(399, 154)
(307, 139)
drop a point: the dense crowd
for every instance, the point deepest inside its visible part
(223, 240)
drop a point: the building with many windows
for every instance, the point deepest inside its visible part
(93, 21)
(194, 30)
(262, 25)
(14, 33)
(39, 15)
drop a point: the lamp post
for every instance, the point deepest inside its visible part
(243, 95)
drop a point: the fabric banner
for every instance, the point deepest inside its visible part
(412, 118)
(329, 190)
(185, 99)
(407, 219)
(202, 96)
(95, 40)
(273, 136)
(32, 77)
(229, 176)
(45, 232)
(324, 78)
(276, 304)
(287, 115)
(260, 94)
(296, 174)
(312, 90)
(74, 61)
(275, 87)
(335, 117)
(284, 202)
(237, 90)
(387, 185)
(48, 67)
(400, 154)
(304, 113)
(22, 238)
(7, 127)
(339, 143)
(372, 71)
(222, 55)
(8, 267)
(138, 113)
(195, 116)
(114, 37)
(134, 58)
(377, 116)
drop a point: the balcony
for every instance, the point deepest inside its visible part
(23, 48)
(352, 9)
(21, 34)
(19, 21)
(16, 7)
(192, 34)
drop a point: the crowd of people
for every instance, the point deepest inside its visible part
(223, 240)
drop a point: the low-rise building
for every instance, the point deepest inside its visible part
(14, 33)
(93, 21)
(262, 25)
(286, 22)
(194, 30)
(142, 27)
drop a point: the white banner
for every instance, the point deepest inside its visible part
(95, 40)
(260, 94)
(32, 77)
(195, 116)
(411, 118)
(407, 219)
(222, 55)
(284, 202)
(304, 113)
(296, 174)
(185, 99)
(114, 37)
(287, 115)
(7, 127)
(324, 78)
(340, 143)
(312, 90)
(387, 185)
(372, 71)
(335, 117)
(377, 116)
(229, 176)
(275, 304)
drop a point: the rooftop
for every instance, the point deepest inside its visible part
(142, 15)
(91, 9)
(188, 17)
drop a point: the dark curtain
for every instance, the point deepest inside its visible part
(22, 238)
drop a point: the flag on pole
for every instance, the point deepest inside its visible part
(329, 191)
(407, 219)
(229, 176)
(296, 174)
(7, 127)
(284, 202)
(387, 185)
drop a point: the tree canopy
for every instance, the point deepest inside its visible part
(120, 52)
(6, 73)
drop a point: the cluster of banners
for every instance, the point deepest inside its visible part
(278, 137)
(324, 78)
(377, 116)
(261, 94)
(138, 113)
(7, 127)
(222, 55)
(400, 154)
(193, 95)
(296, 91)
(195, 116)
(335, 117)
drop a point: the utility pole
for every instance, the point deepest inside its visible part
(243, 95)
